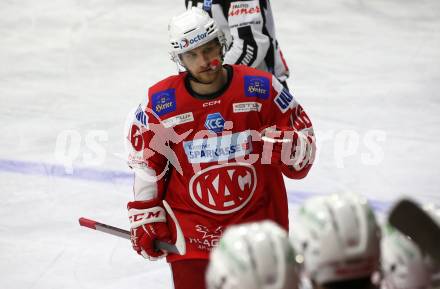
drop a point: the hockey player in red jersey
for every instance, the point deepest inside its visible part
(213, 142)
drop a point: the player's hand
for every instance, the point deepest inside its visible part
(148, 223)
(286, 146)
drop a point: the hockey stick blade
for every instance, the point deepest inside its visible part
(409, 218)
(91, 224)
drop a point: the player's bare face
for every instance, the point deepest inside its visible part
(198, 62)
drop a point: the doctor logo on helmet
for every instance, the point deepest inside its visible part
(185, 42)
(223, 189)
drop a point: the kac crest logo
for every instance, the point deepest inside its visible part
(233, 192)
(215, 122)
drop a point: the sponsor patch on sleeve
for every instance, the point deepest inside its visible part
(284, 100)
(256, 86)
(164, 102)
(141, 116)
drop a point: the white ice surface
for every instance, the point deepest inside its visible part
(357, 66)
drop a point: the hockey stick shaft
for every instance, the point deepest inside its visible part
(91, 224)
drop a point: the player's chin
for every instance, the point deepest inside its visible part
(207, 77)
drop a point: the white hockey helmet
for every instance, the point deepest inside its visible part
(191, 29)
(253, 256)
(337, 238)
(403, 264)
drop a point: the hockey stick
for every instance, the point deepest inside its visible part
(178, 248)
(159, 245)
(409, 218)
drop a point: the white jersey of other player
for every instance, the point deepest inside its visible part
(250, 32)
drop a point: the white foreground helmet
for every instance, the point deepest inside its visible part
(192, 29)
(337, 238)
(253, 256)
(403, 265)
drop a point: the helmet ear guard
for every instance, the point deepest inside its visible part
(190, 30)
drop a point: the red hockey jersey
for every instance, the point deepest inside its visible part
(212, 149)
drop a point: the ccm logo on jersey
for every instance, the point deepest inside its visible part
(211, 103)
(256, 86)
(164, 101)
(215, 122)
(223, 189)
(285, 100)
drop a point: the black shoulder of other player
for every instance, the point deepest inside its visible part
(362, 283)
